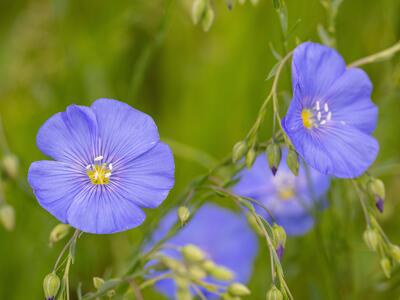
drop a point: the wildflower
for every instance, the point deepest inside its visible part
(108, 164)
(289, 198)
(226, 240)
(331, 116)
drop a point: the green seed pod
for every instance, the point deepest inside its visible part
(250, 158)
(292, 161)
(279, 235)
(208, 18)
(395, 252)
(10, 164)
(222, 273)
(192, 253)
(238, 289)
(386, 266)
(7, 216)
(274, 294)
(274, 156)
(51, 285)
(371, 239)
(198, 10)
(98, 282)
(59, 232)
(238, 151)
(183, 214)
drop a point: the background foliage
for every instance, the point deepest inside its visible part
(203, 90)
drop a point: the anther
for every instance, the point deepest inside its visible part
(98, 158)
(326, 108)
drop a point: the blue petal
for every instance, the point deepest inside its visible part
(335, 149)
(55, 184)
(147, 179)
(296, 225)
(69, 136)
(315, 68)
(349, 99)
(125, 132)
(97, 209)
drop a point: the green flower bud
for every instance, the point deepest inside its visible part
(172, 264)
(51, 285)
(222, 273)
(98, 282)
(377, 188)
(279, 235)
(238, 289)
(208, 265)
(7, 216)
(395, 252)
(197, 272)
(253, 223)
(111, 293)
(371, 238)
(59, 232)
(274, 294)
(198, 10)
(386, 266)
(208, 18)
(274, 156)
(183, 214)
(10, 164)
(250, 158)
(192, 253)
(292, 161)
(238, 151)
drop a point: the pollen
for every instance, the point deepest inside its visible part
(286, 193)
(99, 173)
(307, 117)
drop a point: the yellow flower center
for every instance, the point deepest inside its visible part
(307, 117)
(286, 193)
(99, 173)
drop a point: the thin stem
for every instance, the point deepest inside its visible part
(361, 198)
(377, 57)
(136, 290)
(153, 280)
(67, 245)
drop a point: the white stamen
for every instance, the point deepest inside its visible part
(96, 175)
(318, 107)
(110, 166)
(88, 167)
(329, 116)
(323, 122)
(319, 116)
(326, 108)
(107, 175)
(98, 158)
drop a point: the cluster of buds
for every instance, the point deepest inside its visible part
(241, 149)
(203, 13)
(193, 269)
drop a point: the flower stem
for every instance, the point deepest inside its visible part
(377, 57)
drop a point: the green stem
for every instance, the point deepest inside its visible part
(377, 57)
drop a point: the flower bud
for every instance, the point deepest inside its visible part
(10, 164)
(250, 158)
(222, 273)
(208, 18)
(98, 282)
(197, 272)
(51, 285)
(377, 188)
(238, 151)
(7, 216)
(198, 10)
(292, 161)
(371, 238)
(274, 294)
(279, 235)
(238, 289)
(172, 264)
(192, 253)
(253, 223)
(183, 214)
(208, 265)
(395, 252)
(274, 155)
(111, 293)
(386, 266)
(59, 232)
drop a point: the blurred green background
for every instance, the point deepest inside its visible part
(203, 90)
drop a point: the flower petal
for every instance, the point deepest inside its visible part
(125, 132)
(315, 68)
(55, 185)
(96, 209)
(296, 225)
(147, 179)
(349, 100)
(69, 136)
(336, 149)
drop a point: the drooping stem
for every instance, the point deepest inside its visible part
(377, 57)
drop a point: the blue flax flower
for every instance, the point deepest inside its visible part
(224, 236)
(108, 164)
(289, 198)
(331, 117)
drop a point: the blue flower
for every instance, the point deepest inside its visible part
(223, 235)
(108, 164)
(331, 117)
(289, 198)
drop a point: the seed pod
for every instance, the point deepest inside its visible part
(274, 156)
(292, 161)
(51, 285)
(371, 238)
(192, 253)
(238, 151)
(274, 294)
(183, 214)
(238, 289)
(250, 158)
(7, 216)
(279, 235)
(98, 282)
(59, 232)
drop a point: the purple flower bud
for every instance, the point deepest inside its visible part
(274, 170)
(279, 251)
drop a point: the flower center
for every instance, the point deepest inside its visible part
(285, 185)
(286, 193)
(316, 116)
(98, 172)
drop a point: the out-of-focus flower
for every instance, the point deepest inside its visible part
(109, 163)
(331, 117)
(224, 238)
(289, 198)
